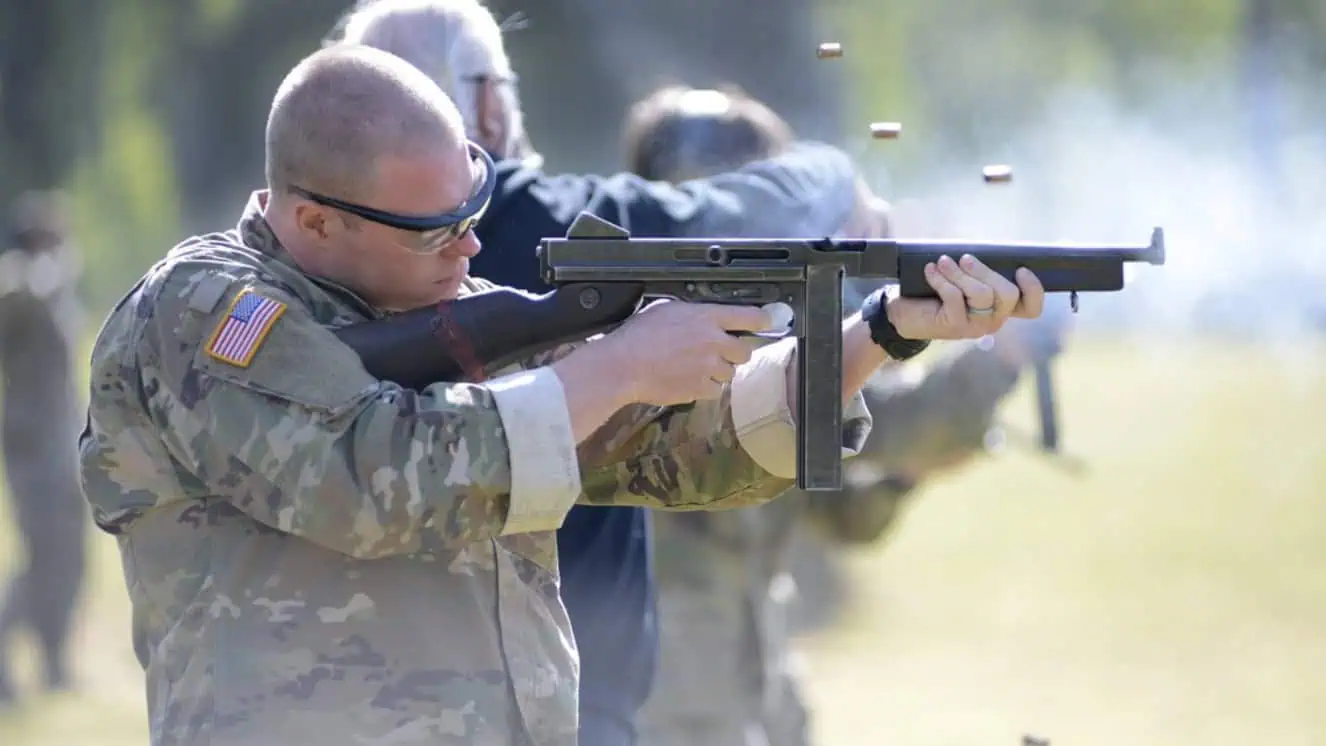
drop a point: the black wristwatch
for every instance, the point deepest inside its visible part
(884, 333)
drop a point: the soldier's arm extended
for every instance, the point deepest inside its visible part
(291, 430)
(927, 419)
(808, 191)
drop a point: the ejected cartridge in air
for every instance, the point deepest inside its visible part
(998, 174)
(885, 130)
(829, 50)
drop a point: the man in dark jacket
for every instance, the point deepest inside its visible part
(604, 552)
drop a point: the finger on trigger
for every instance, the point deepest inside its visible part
(741, 318)
(1033, 293)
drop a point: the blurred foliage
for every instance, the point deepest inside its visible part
(159, 104)
(965, 74)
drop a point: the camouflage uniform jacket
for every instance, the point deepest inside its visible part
(723, 596)
(316, 556)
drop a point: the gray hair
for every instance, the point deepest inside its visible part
(451, 41)
(342, 108)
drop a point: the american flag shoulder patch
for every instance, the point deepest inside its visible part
(244, 328)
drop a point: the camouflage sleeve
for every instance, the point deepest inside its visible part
(925, 420)
(269, 411)
(735, 451)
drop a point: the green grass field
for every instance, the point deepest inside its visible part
(1176, 594)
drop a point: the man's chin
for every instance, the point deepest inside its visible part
(448, 289)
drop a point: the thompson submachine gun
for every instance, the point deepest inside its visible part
(602, 276)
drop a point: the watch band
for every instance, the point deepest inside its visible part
(884, 333)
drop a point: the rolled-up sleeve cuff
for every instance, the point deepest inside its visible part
(764, 423)
(545, 473)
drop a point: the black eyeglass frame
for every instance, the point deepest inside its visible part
(468, 212)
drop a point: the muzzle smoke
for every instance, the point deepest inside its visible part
(1243, 220)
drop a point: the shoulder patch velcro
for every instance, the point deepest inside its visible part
(244, 328)
(209, 292)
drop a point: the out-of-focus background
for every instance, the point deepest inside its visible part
(1173, 593)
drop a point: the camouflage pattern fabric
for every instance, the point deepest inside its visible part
(726, 677)
(314, 555)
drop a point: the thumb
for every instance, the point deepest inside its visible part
(773, 317)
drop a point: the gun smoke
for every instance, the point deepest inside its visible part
(1244, 238)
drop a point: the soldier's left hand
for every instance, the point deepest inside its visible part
(974, 301)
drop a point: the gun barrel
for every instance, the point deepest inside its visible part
(1151, 253)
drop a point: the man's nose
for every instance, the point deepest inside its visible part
(466, 246)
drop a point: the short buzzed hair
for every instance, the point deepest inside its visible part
(678, 133)
(342, 108)
(454, 42)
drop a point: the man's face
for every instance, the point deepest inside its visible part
(497, 113)
(395, 267)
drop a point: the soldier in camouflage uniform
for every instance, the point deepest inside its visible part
(315, 555)
(39, 323)
(725, 675)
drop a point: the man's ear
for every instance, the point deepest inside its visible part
(312, 221)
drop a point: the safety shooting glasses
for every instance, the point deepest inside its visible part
(434, 232)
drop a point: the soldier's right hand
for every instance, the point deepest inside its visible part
(677, 353)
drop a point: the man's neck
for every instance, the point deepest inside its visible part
(278, 217)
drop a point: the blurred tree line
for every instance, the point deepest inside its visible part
(152, 111)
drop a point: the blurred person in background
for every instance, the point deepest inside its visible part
(40, 319)
(726, 674)
(604, 552)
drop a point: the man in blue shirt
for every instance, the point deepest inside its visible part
(604, 552)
